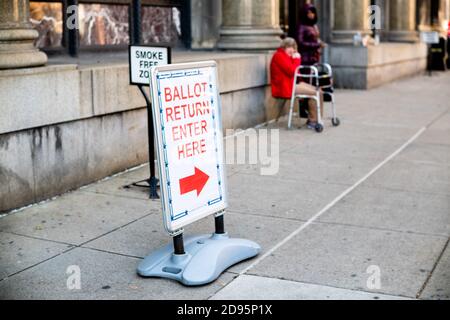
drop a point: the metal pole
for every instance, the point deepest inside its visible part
(135, 38)
(151, 147)
(186, 32)
(135, 23)
(220, 224)
(70, 28)
(178, 245)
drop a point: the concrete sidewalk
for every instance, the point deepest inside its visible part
(369, 197)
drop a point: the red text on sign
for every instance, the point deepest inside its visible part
(191, 149)
(188, 91)
(189, 130)
(187, 111)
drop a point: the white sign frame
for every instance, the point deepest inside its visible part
(174, 221)
(135, 70)
(429, 37)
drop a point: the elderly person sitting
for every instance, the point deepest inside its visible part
(282, 72)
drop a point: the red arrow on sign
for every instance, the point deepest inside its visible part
(195, 182)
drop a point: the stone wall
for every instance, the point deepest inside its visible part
(366, 68)
(65, 126)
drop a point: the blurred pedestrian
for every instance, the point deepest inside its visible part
(309, 42)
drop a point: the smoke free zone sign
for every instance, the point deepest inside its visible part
(189, 135)
(142, 58)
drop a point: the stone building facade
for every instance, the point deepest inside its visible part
(242, 25)
(255, 25)
(66, 122)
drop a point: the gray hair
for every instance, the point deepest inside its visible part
(288, 43)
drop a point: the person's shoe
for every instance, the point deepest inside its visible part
(311, 125)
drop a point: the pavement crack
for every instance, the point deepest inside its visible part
(441, 115)
(265, 216)
(422, 289)
(39, 238)
(114, 194)
(116, 229)
(111, 252)
(38, 263)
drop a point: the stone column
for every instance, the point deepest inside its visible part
(250, 25)
(402, 21)
(17, 36)
(350, 17)
(325, 22)
(384, 19)
(444, 16)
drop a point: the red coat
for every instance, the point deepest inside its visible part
(282, 72)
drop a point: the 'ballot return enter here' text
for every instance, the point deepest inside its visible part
(187, 125)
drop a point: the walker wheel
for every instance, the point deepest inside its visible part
(319, 128)
(336, 122)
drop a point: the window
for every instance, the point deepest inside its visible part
(103, 24)
(46, 18)
(106, 22)
(161, 24)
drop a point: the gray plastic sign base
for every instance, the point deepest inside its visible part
(206, 257)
